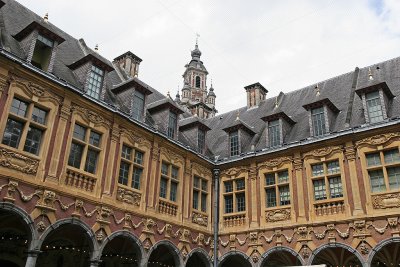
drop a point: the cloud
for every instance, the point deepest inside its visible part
(285, 44)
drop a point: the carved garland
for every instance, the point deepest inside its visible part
(323, 152)
(36, 90)
(201, 170)
(91, 116)
(171, 156)
(234, 171)
(19, 162)
(277, 215)
(276, 162)
(377, 140)
(134, 138)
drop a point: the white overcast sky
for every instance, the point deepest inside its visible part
(284, 45)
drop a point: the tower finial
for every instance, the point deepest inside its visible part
(370, 74)
(197, 39)
(46, 17)
(238, 115)
(96, 48)
(317, 88)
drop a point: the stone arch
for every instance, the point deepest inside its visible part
(336, 245)
(18, 233)
(379, 246)
(171, 247)
(92, 243)
(230, 254)
(122, 233)
(202, 253)
(280, 249)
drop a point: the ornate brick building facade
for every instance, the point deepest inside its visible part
(97, 168)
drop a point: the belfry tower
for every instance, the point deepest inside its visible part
(195, 96)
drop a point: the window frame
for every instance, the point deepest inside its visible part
(95, 81)
(133, 165)
(234, 194)
(201, 141)
(172, 124)
(234, 146)
(200, 192)
(276, 186)
(318, 125)
(138, 112)
(274, 143)
(325, 176)
(380, 104)
(169, 181)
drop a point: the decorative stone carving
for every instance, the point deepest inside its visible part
(12, 188)
(360, 228)
(148, 225)
(171, 156)
(277, 215)
(323, 152)
(200, 219)
(297, 163)
(91, 116)
(201, 170)
(103, 214)
(100, 235)
(134, 138)
(41, 226)
(18, 162)
(234, 171)
(185, 234)
(275, 162)
(379, 139)
(37, 90)
(350, 152)
(253, 237)
(392, 222)
(48, 199)
(304, 233)
(128, 196)
(386, 201)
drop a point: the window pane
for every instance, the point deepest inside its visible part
(94, 139)
(12, 133)
(126, 152)
(137, 174)
(240, 202)
(271, 197)
(174, 173)
(95, 82)
(39, 115)
(234, 143)
(196, 182)
(79, 132)
(172, 125)
(335, 187)
(377, 181)
(373, 159)
(284, 195)
(203, 202)
(139, 157)
(228, 187)
(274, 133)
(174, 188)
(374, 107)
(394, 177)
(240, 185)
(333, 167)
(195, 199)
(270, 179)
(319, 190)
(163, 188)
(138, 105)
(283, 177)
(91, 161)
(229, 204)
(317, 169)
(204, 185)
(75, 155)
(19, 107)
(33, 140)
(45, 40)
(164, 168)
(318, 121)
(123, 173)
(391, 156)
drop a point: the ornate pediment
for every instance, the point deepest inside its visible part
(377, 140)
(134, 138)
(276, 162)
(33, 89)
(171, 156)
(201, 170)
(323, 152)
(91, 116)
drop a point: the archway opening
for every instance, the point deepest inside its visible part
(163, 255)
(235, 260)
(336, 256)
(121, 251)
(15, 237)
(281, 258)
(197, 260)
(67, 245)
(388, 255)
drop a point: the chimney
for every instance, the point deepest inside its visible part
(255, 94)
(128, 62)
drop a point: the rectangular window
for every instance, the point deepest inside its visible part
(234, 143)
(25, 119)
(327, 182)
(270, 197)
(228, 204)
(377, 181)
(172, 125)
(391, 156)
(373, 159)
(274, 133)
(85, 141)
(374, 107)
(235, 195)
(277, 191)
(394, 177)
(138, 105)
(335, 187)
(169, 182)
(95, 82)
(318, 121)
(131, 170)
(319, 189)
(200, 193)
(42, 52)
(240, 202)
(201, 141)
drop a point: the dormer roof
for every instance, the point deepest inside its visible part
(95, 59)
(192, 122)
(133, 82)
(165, 103)
(43, 28)
(278, 115)
(319, 103)
(239, 124)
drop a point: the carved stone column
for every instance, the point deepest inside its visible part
(32, 257)
(216, 215)
(253, 195)
(115, 135)
(350, 154)
(298, 172)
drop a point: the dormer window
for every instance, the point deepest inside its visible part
(318, 121)
(234, 143)
(95, 82)
(138, 105)
(42, 52)
(274, 133)
(374, 107)
(172, 123)
(198, 81)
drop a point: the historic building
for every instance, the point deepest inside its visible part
(97, 168)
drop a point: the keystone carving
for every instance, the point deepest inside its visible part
(18, 162)
(103, 214)
(48, 199)
(148, 225)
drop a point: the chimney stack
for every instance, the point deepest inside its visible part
(255, 94)
(129, 62)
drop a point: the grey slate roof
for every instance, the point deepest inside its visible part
(342, 91)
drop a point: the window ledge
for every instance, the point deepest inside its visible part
(234, 219)
(329, 207)
(167, 207)
(80, 179)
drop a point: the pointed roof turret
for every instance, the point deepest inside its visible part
(196, 53)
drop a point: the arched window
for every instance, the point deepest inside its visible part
(197, 81)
